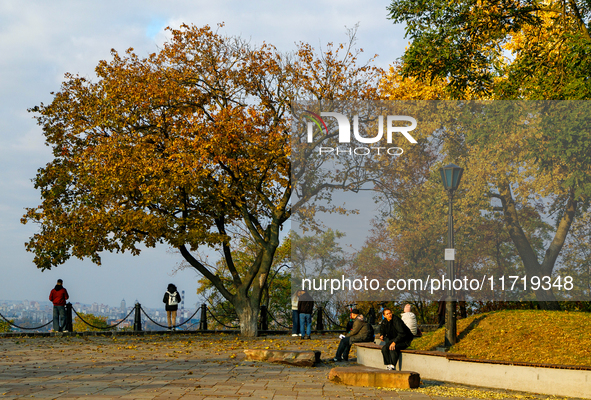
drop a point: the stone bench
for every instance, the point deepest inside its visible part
(298, 358)
(370, 355)
(372, 377)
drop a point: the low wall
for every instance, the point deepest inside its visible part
(559, 380)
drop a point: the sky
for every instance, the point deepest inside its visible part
(40, 41)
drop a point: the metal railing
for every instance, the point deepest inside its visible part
(265, 318)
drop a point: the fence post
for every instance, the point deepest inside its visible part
(319, 322)
(69, 324)
(264, 319)
(203, 320)
(137, 319)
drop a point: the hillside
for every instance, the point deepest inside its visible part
(548, 337)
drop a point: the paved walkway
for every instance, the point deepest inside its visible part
(180, 366)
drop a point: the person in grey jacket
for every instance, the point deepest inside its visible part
(360, 332)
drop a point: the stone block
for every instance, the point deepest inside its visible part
(298, 358)
(373, 377)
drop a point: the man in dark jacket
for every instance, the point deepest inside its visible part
(58, 297)
(397, 337)
(305, 307)
(360, 332)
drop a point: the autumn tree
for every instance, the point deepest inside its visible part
(180, 148)
(512, 50)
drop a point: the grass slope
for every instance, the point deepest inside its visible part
(547, 337)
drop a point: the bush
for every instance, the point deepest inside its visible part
(5, 326)
(96, 320)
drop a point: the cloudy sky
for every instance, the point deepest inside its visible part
(40, 41)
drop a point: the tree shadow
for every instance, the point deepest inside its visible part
(470, 327)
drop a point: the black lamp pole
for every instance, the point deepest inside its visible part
(451, 175)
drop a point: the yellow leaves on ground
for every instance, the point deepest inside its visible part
(544, 337)
(467, 393)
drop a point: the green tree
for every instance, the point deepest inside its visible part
(531, 49)
(276, 294)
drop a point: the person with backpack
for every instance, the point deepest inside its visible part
(171, 299)
(58, 297)
(361, 331)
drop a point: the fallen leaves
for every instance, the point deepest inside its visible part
(544, 337)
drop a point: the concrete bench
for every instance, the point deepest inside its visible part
(298, 358)
(370, 354)
(372, 377)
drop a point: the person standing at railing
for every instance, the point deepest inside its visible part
(295, 315)
(58, 297)
(305, 307)
(171, 299)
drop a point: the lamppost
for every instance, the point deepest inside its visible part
(450, 175)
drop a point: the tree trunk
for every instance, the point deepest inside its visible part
(546, 298)
(248, 316)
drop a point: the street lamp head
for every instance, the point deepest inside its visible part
(451, 175)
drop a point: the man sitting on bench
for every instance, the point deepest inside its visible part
(360, 332)
(397, 337)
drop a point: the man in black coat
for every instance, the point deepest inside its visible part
(305, 307)
(397, 337)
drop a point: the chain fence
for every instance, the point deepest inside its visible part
(22, 327)
(265, 318)
(101, 327)
(166, 326)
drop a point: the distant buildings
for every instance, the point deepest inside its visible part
(33, 314)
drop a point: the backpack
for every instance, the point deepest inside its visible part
(172, 299)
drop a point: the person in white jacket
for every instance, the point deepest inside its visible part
(295, 315)
(409, 319)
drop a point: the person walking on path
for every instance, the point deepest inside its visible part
(305, 307)
(397, 337)
(295, 315)
(410, 320)
(58, 297)
(361, 332)
(171, 299)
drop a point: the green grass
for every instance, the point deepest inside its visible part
(547, 337)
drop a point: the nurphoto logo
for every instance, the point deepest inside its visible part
(344, 136)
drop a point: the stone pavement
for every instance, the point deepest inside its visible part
(178, 366)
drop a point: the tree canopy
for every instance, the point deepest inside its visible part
(181, 148)
(532, 49)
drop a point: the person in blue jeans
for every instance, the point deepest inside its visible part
(58, 297)
(295, 315)
(305, 307)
